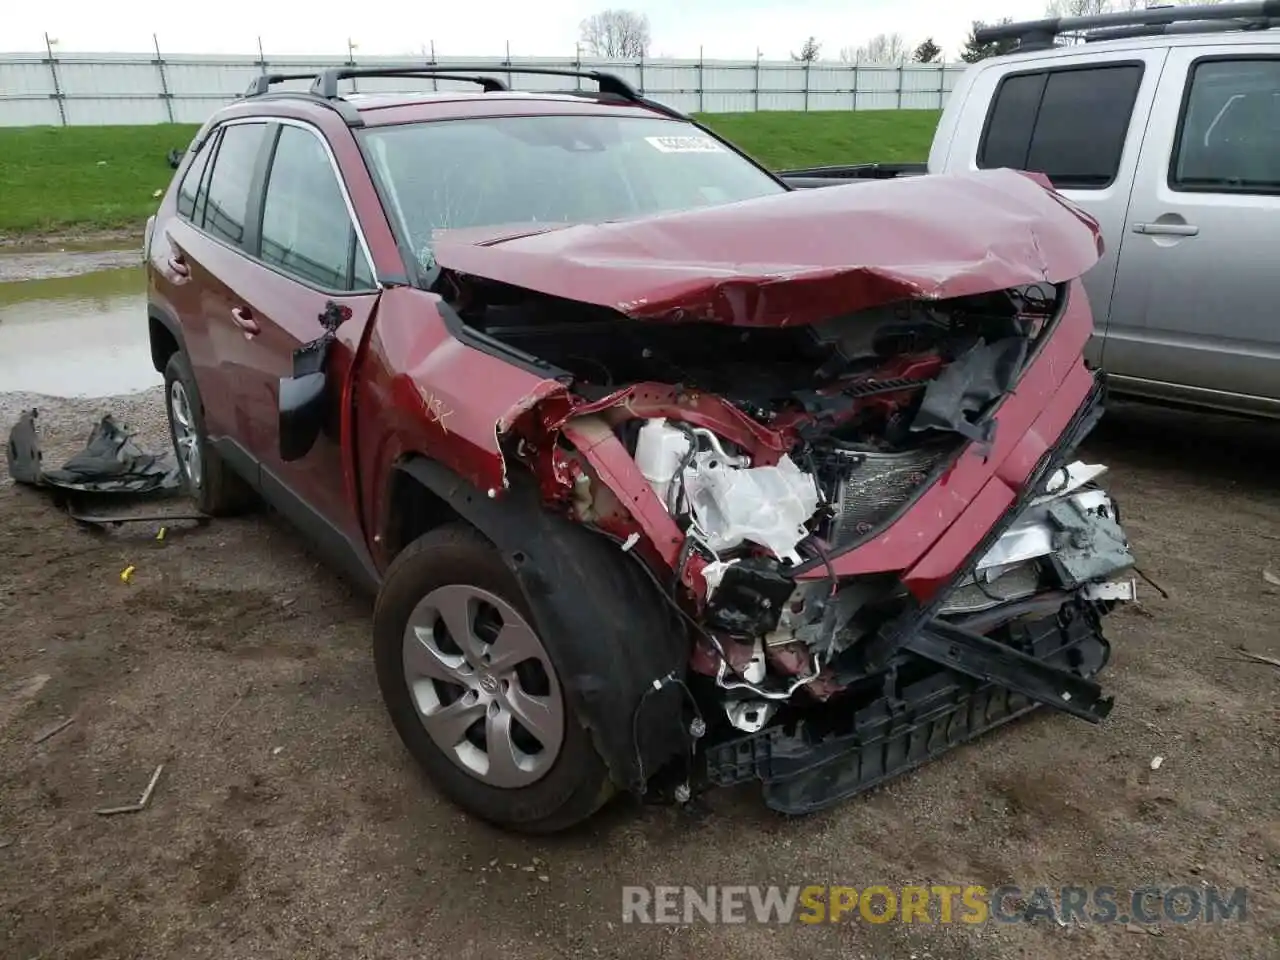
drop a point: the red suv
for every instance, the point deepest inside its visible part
(665, 475)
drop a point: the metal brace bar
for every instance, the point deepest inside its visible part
(977, 656)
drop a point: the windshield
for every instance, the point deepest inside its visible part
(490, 171)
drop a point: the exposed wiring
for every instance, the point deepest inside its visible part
(671, 601)
(695, 730)
(656, 686)
(784, 694)
(822, 553)
(677, 479)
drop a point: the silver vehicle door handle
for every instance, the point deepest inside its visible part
(1166, 229)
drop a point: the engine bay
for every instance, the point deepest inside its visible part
(774, 447)
(869, 404)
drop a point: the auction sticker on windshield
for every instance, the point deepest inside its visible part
(685, 144)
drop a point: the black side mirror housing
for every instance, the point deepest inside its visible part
(303, 410)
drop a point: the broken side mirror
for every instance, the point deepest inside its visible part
(303, 408)
(303, 398)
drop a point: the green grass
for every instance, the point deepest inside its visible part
(93, 178)
(783, 140)
(84, 177)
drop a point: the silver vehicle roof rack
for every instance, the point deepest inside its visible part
(1153, 21)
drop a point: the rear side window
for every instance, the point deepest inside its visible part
(306, 228)
(229, 186)
(1229, 133)
(192, 179)
(1069, 124)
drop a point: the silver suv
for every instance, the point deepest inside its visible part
(1164, 124)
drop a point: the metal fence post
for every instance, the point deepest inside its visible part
(807, 64)
(757, 79)
(642, 73)
(435, 83)
(901, 81)
(702, 84)
(165, 95)
(57, 87)
(853, 68)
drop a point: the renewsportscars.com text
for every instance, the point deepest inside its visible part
(942, 904)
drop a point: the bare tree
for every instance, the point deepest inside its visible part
(1090, 8)
(616, 34)
(1084, 8)
(809, 51)
(882, 48)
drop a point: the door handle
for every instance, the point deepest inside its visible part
(1166, 229)
(244, 320)
(179, 265)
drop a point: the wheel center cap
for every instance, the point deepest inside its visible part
(488, 684)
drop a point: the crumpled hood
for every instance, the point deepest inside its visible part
(798, 257)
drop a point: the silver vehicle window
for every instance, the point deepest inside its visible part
(1229, 132)
(1069, 123)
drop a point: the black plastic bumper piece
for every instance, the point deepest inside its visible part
(984, 659)
(804, 772)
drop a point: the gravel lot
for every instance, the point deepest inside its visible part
(289, 822)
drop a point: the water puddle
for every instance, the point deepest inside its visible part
(73, 324)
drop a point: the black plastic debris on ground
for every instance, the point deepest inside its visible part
(110, 466)
(109, 463)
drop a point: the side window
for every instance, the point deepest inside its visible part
(1069, 124)
(306, 229)
(228, 200)
(361, 272)
(1229, 133)
(193, 178)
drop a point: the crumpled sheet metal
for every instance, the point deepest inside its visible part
(109, 463)
(799, 257)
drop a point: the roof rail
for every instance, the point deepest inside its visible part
(260, 85)
(610, 85)
(260, 88)
(1176, 29)
(1040, 34)
(325, 84)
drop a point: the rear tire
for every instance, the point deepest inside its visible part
(452, 580)
(216, 489)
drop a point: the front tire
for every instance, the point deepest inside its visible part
(473, 692)
(217, 490)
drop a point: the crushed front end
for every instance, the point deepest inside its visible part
(869, 516)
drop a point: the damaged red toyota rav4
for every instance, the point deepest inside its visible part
(666, 475)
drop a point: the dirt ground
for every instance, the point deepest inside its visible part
(289, 822)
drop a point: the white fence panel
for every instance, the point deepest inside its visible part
(104, 88)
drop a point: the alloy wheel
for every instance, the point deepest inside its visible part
(185, 438)
(483, 685)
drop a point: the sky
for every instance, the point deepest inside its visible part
(724, 29)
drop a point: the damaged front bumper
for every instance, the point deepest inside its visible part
(1017, 627)
(909, 719)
